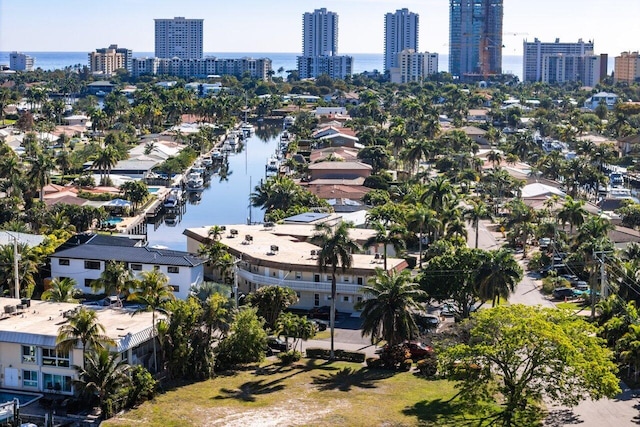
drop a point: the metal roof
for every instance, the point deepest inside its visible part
(144, 255)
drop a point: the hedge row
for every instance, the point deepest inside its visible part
(347, 356)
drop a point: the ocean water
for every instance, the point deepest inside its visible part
(280, 60)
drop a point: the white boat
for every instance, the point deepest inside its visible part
(247, 127)
(199, 169)
(273, 166)
(173, 200)
(233, 138)
(207, 161)
(285, 137)
(195, 182)
(216, 155)
(616, 179)
(288, 122)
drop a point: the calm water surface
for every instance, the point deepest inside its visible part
(224, 200)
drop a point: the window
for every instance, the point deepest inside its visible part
(92, 265)
(30, 379)
(316, 278)
(298, 295)
(88, 282)
(173, 269)
(124, 356)
(346, 279)
(298, 275)
(136, 267)
(360, 281)
(175, 288)
(346, 299)
(316, 300)
(156, 267)
(53, 357)
(29, 354)
(63, 261)
(359, 299)
(57, 382)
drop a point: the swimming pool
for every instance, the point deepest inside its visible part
(24, 398)
(153, 190)
(113, 220)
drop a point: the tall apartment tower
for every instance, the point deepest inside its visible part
(534, 54)
(475, 38)
(400, 33)
(320, 47)
(19, 61)
(627, 67)
(179, 37)
(320, 33)
(107, 60)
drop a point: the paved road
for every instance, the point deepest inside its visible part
(618, 412)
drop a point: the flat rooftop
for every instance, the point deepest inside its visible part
(293, 251)
(39, 323)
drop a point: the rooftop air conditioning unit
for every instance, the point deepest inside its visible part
(313, 252)
(274, 248)
(8, 309)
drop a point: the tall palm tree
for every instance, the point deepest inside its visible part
(61, 290)
(83, 327)
(393, 237)
(423, 219)
(116, 279)
(102, 375)
(40, 170)
(388, 313)
(153, 291)
(573, 212)
(476, 211)
(500, 275)
(336, 249)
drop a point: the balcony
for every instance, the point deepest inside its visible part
(299, 285)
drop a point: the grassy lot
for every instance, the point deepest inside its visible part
(310, 393)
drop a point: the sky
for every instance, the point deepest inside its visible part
(276, 25)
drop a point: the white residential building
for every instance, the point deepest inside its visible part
(336, 67)
(109, 59)
(19, 61)
(400, 33)
(179, 37)
(609, 99)
(86, 262)
(534, 54)
(29, 360)
(413, 66)
(562, 68)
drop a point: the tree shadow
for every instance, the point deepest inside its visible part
(561, 417)
(440, 412)
(347, 378)
(248, 391)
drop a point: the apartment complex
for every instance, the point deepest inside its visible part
(557, 62)
(109, 59)
(320, 47)
(400, 33)
(258, 68)
(179, 38)
(475, 38)
(19, 61)
(413, 66)
(627, 67)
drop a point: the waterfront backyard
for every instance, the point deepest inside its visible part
(310, 393)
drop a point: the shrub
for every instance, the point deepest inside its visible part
(406, 365)
(346, 356)
(550, 283)
(374, 363)
(288, 357)
(143, 385)
(428, 367)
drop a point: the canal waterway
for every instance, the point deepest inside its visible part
(225, 199)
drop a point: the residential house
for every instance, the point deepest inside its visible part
(593, 101)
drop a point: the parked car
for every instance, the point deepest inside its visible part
(320, 325)
(447, 310)
(278, 344)
(581, 285)
(419, 350)
(322, 312)
(427, 322)
(562, 293)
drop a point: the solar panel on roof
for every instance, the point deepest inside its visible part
(307, 217)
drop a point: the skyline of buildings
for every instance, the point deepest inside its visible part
(400, 33)
(179, 38)
(475, 38)
(19, 61)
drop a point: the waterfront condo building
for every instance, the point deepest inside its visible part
(109, 59)
(400, 33)
(475, 38)
(413, 66)
(627, 67)
(19, 61)
(540, 60)
(320, 47)
(179, 37)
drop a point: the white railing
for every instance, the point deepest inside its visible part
(299, 285)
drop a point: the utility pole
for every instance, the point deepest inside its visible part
(16, 277)
(604, 289)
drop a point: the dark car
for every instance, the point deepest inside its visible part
(562, 293)
(277, 344)
(419, 350)
(321, 312)
(320, 325)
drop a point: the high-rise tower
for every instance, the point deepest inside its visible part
(179, 37)
(320, 47)
(475, 37)
(400, 33)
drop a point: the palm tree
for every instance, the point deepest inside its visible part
(62, 290)
(82, 327)
(423, 219)
(393, 237)
(116, 279)
(477, 211)
(102, 375)
(153, 291)
(573, 212)
(41, 167)
(495, 157)
(499, 276)
(336, 248)
(388, 313)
